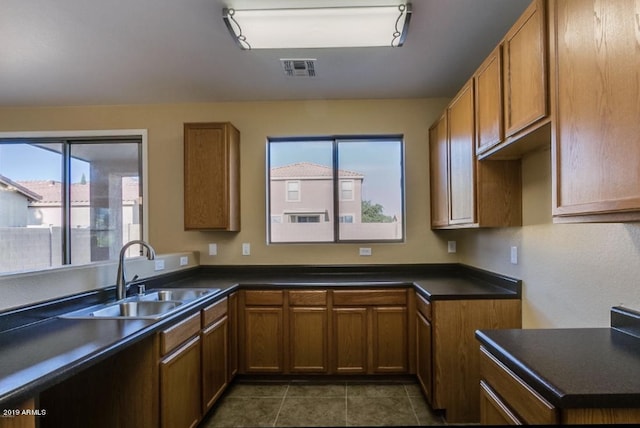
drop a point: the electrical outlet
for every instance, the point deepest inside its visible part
(451, 246)
(514, 255)
(213, 249)
(365, 251)
(159, 265)
(184, 260)
(246, 249)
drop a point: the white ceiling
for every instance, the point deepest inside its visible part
(80, 52)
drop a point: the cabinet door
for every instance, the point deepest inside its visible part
(350, 340)
(214, 362)
(423, 355)
(211, 176)
(488, 87)
(263, 339)
(595, 139)
(308, 340)
(389, 331)
(180, 396)
(462, 157)
(525, 70)
(439, 172)
(232, 362)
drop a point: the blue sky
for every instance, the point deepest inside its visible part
(42, 164)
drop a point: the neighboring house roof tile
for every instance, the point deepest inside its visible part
(309, 170)
(29, 194)
(51, 191)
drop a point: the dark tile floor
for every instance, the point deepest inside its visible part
(309, 404)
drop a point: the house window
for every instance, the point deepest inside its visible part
(68, 200)
(293, 191)
(354, 189)
(346, 218)
(346, 190)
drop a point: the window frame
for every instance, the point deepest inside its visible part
(335, 214)
(69, 137)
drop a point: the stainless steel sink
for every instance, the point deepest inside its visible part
(136, 309)
(177, 294)
(154, 304)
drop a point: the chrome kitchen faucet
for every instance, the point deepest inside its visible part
(121, 281)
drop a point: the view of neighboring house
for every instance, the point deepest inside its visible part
(31, 220)
(301, 205)
(15, 201)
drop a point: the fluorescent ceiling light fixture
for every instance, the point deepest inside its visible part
(324, 27)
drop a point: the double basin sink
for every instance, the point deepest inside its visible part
(154, 304)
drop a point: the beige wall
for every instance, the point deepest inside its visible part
(256, 121)
(572, 273)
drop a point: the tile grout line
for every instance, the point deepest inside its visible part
(346, 404)
(281, 405)
(413, 408)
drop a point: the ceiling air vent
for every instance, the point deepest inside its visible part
(299, 67)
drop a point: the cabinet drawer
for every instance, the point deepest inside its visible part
(524, 401)
(424, 306)
(370, 297)
(173, 336)
(263, 297)
(308, 298)
(214, 312)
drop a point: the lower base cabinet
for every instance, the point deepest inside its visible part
(180, 374)
(215, 351)
(453, 384)
(505, 399)
(320, 331)
(179, 398)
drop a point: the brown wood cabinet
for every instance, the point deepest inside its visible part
(211, 176)
(262, 348)
(595, 136)
(480, 193)
(525, 70)
(18, 420)
(215, 353)
(119, 391)
(506, 399)
(370, 331)
(462, 161)
(439, 172)
(424, 365)
(488, 102)
(180, 374)
(308, 331)
(455, 352)
(232, 308)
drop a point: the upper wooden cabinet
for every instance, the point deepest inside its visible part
(439, 171)
(211, 176)
(488, 111)
(477, 193)
(525, 70)
(461, 157)
(596, 126)
(512, 90)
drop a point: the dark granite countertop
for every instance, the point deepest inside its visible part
(576, 367)
(38, 349)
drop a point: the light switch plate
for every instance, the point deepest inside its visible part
(246, 249)
(514, 255)
(213, 249)
(451, 246)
